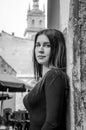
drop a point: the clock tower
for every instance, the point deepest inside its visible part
(35, 20)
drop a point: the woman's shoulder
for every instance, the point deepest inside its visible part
(55, 72)
(52, 74)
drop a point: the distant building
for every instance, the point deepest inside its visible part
(5, 67)
(17, 52)
(35, 20)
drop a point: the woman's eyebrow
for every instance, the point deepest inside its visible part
(43, 42)
(46, 42)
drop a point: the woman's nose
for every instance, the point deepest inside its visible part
(41, 49)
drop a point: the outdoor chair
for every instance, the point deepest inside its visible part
(7, 115)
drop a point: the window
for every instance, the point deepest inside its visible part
(33, 21)
(40, 22)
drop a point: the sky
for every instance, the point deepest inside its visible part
(13, 15)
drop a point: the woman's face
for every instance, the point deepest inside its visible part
(42, 49)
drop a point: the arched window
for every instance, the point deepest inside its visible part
(40, 22)
(33, 21)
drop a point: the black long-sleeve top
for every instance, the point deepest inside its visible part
(46, 102)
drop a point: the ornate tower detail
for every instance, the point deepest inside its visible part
(35, 20)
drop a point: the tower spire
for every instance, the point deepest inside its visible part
(35, 4)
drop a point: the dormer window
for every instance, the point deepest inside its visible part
(33, 21)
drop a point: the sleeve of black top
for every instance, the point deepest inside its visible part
(54, 92)
(25, 101)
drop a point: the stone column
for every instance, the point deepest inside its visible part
(53, 14)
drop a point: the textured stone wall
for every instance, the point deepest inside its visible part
(82, 23)
(77, 63)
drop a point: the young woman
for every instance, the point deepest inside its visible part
(46, 102)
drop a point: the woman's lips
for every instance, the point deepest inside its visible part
(41, 57)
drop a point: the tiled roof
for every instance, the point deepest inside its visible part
(17, 52)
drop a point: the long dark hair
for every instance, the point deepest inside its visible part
(58, 51)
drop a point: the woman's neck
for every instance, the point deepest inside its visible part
(45, 69)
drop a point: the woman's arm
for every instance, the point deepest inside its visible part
(54, 92)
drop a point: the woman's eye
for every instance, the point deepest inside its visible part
(37, 44)
(46, 45)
